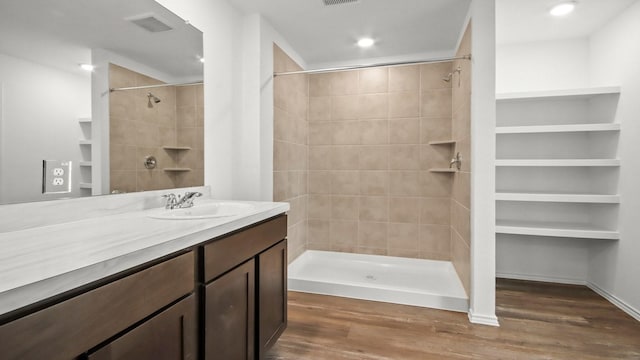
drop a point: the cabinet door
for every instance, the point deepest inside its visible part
(230, 315)
(272, 295)
(170, 335)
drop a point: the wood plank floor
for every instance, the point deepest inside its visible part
(538, 321)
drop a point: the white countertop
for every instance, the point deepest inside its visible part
(41, 262)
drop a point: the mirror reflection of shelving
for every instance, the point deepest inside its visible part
(85, 163)
(556, 164)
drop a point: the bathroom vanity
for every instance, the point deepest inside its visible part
(204, 289)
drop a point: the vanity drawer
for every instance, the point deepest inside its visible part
(225, 254)
(70, 328)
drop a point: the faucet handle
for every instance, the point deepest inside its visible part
(171, 201)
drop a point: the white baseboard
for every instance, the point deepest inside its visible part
(489, 320)
(634, 313)
(541, 278)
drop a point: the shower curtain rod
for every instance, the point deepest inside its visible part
(356, 67)
(153, 86)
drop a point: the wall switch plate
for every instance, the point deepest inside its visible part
(56, 176)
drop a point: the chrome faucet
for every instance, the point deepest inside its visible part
(180, 202)
(457, 161)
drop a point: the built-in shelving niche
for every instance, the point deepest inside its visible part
(86, 150)
(556, 164)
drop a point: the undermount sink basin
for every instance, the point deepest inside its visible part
(204, 211)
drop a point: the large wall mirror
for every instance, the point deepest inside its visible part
(132, 123)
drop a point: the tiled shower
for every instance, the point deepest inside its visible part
(139, 128)
(361, 155)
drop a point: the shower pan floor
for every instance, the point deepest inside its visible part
(417, 282)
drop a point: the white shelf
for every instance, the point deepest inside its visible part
(569, 93)
(570, 230)
(85, 163)
(85, 142)
(85, 185)
(84, 120)
(177, 169)
(556, 128)
(558, 162)
(443, 142)
(443, 170)
(562, 198)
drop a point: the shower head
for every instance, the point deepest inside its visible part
(154, 98)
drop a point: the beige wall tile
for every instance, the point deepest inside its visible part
(371, 251)
(280, 185)
(320, 133)
(320, 157)
(404, 78)
(186, 96)
(319, 182)
(320, 108)
(282, 125)
(435, 239)
(374, 80)
(435, 184)
(435, 156)
(432, 74)
(344, 83)
(460, 221)
(404, 209)
(403, 236)
(344, 157)
(295, 187)
(123, 181)
(186, 116)
(435, 129)
(463, 146)
(405, 253)
(318, 231)
(436, 103)
(319, 207)
(343, 233)
(346, 132)
(404, 104)
(372, 235)
(404, 157)
(123, 158)
(374, 132)
(120, 132)
(374, 182)
(404, 183)
(319, 85)
(461, 258)
(344, 207)
(462, 188)
(373, 106)
(374, 157)
(435, 211)
(345, 182)
(404, 131)
(344, 107)
(374, 208)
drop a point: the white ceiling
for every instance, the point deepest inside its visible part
(519, 21)
(327, 34)
(61, 33)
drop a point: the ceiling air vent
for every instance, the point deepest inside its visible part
(339, 2)
(150, 23)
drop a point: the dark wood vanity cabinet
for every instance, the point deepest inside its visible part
(245, 292)
(272, 296)
(72, 328)
(230, 314)
(226, 299)
(170, 335)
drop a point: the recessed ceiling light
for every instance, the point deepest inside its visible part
(87, 67)
(202, 60)
(563, 9)
(366, 42)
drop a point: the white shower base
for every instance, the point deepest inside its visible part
(426, 283)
